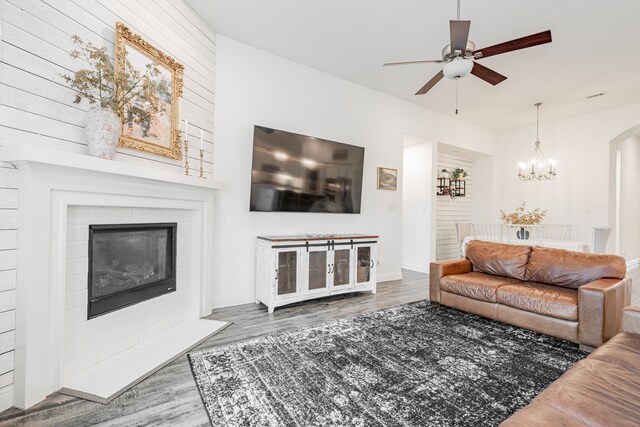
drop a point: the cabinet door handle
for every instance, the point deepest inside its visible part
(330, 267)
(276, 274)
(372, 263)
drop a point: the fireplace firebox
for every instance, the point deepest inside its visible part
(130, 263)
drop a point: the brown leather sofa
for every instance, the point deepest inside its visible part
(570, 295)
(601, 390)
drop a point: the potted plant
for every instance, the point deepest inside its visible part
(523, 218)
(458, 174)
(108, 92)
(443, 173)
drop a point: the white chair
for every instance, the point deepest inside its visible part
(487, 232)
(463, 229)
(600, 239)
(556, 231)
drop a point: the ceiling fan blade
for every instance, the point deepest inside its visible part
(431, 83)
(426, 61)
(521, 43)
(487, 74)
(459, 31)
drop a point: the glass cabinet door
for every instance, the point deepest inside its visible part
(363, 264)
(342, 267)
(318, 269)
(287, 274)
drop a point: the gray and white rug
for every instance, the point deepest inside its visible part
(411, 365)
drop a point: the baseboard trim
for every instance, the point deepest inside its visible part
(233, 301)
(633, 262)
(416, 267)
(387, 277)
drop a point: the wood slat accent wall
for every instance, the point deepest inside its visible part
(449, 211)
(36, 106)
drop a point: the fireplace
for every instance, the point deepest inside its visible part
(130, 263)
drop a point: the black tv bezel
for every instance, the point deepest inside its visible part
(306, 136)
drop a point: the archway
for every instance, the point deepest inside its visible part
(621, 167)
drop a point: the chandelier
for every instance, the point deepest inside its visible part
(536, 169)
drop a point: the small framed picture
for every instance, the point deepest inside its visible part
(387, 179)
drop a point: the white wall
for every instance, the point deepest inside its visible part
(482, 204)
(417, 194)
(629, 198)
(36, 105)
(580, 193)
(254, 87)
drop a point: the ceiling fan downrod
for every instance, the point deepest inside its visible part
(457, 81)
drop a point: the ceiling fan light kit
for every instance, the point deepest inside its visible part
(459, 67)
(535, 169)
(460, 55)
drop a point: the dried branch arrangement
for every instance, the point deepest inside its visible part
(101, 84)
(522, 217)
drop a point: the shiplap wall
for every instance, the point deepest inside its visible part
(36, 105)
(451, 210)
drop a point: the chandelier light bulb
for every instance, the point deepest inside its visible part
(537, 170)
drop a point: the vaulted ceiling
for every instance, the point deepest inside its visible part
(595, 48)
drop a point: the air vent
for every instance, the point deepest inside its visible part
(595, 95)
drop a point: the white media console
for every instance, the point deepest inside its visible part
(297, 268)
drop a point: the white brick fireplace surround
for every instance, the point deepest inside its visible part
(60, 194)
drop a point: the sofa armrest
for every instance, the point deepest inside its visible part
(439, 269)
(631, 319)
(600, 305)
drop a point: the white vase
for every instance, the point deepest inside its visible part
(102, 130)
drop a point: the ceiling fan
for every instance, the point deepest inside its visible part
(459, 57)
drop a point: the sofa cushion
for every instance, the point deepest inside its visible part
(499, 259)
(602, 390)
(475, 285)
(594, 391)
(541, 415)
(561, 303)
(572, 269)
(622, 350)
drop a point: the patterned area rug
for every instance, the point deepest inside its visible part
(411, 365)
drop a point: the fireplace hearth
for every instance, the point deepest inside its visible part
(128, 264)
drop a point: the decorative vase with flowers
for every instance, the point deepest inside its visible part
(525, 219)
(107, 92)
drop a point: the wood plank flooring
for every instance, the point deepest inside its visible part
(170, 396)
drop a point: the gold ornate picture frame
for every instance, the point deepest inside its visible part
(158, 133)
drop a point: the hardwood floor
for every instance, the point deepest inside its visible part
(170, 397)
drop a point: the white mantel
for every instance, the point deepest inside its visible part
(50, 181)
(23, 154)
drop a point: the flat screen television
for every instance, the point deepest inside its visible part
(298, 173)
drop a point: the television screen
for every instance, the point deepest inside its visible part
(298, 173)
